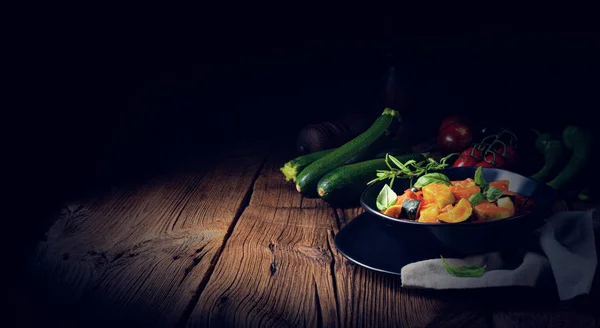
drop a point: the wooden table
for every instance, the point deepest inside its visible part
(231, 243)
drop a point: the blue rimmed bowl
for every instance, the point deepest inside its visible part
(468, 238)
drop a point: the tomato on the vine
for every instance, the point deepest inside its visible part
(509, 154)
(484, 164)
(492, 159)
(465, 160)
(473, 152)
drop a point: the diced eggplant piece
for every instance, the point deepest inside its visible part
(410, 209)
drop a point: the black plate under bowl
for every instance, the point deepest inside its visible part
(365, 242)
(467, 238)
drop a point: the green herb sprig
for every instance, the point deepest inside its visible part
(410, 169)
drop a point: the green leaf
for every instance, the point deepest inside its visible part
(479, 180)
(476, 198)
(432, 178)
(492, 194)
(464, 270)
(386, 198)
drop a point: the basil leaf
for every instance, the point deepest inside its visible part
(432, 178)
(476, 198)
(479, 180)
(386, 198)
(464, 270)
(492, 194)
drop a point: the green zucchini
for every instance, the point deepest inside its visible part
(344, 185)
(362, 147)
(291, 168)
(410, 209)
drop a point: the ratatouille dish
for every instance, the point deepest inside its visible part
(438, 200)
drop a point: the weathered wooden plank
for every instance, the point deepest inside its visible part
(275, 271)
(271, 189)
(372, 299)
(138, 254)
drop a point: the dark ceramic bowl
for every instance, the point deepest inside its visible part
(466, 238)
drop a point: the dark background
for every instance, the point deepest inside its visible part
(123, 93)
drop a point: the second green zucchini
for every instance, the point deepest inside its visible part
(344, 185)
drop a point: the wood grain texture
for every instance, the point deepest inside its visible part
(271, 189)
(173, 251)
(138, 254)
(275, 271)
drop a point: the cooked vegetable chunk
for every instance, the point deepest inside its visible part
(459, 213)
(467, 183)
(506, 202)
(464, 192)
(447, 208)
(439, 194)
(393, 211)
(410, 209)
(429, 214)
(487, 211)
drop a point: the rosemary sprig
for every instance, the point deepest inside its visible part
(410, 169)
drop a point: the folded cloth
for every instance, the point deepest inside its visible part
(563, 259)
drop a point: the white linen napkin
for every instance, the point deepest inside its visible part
(565, 261)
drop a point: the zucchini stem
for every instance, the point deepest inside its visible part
(290, 171)
(391, 112)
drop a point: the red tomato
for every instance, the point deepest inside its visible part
(474, 152)
(495, 160)
(463, 160)
(484, 164)
(447, 121)
(509, 154)
(455, 137)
